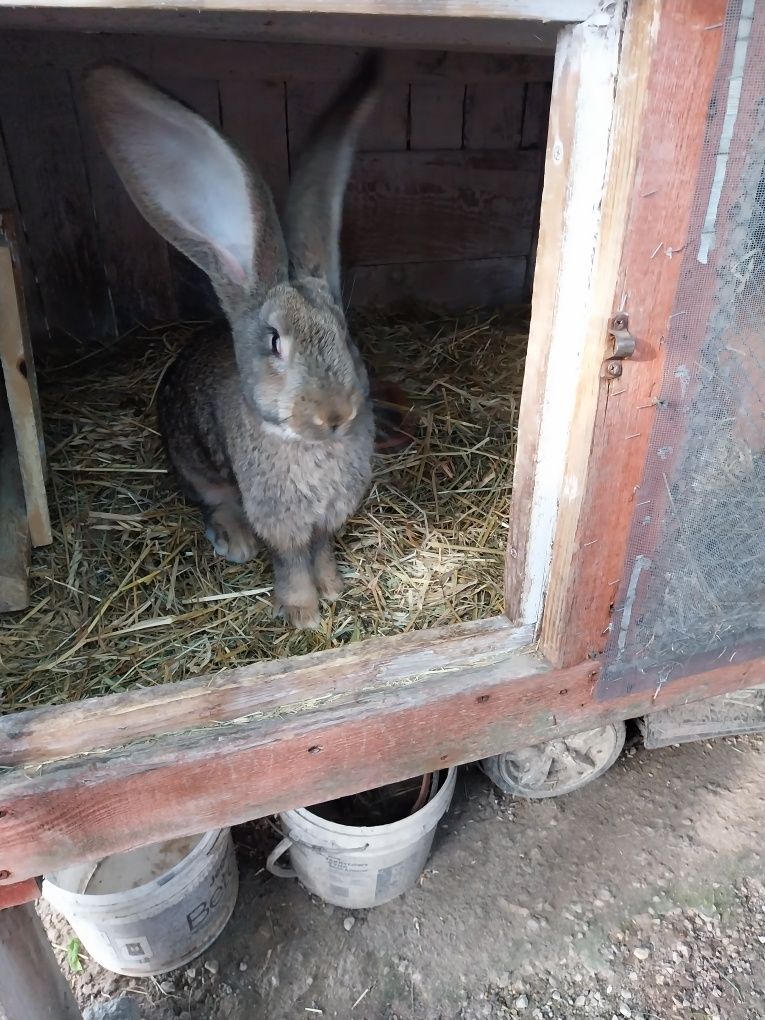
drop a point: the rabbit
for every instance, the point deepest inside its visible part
(268, 426)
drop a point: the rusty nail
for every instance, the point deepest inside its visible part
(482, 698)
(316, 749)
(614, 369)
(4, 874)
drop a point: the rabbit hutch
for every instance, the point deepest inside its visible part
(564, 527)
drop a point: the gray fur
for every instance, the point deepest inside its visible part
(273, 446)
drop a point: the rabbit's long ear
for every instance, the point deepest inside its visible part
(314, 207)
(189, 183)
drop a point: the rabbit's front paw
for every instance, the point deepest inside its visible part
(230, 535)
(300, 617)
(329, 582)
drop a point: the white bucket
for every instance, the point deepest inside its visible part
(357, 866)
(153, 909)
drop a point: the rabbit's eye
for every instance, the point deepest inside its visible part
(276, 344)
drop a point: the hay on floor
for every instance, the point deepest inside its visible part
(130, 593)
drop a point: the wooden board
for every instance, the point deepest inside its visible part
(528, 10)
(409, 31)
(494, 115)
(14, 528)
(427, 207)
(490, 283)
(32, 986)
(437, 116)
(21, 389)
(320, 732)
(575, 182)
(660, 128)
(54, 200)
(23, 892)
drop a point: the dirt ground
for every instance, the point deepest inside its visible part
(642, 895)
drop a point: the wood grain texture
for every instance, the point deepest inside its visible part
(659, 134)
(437, 116)
(54, 199)
(253, 117)
(536, 113)
(21, 390)
(387, 129)
(411, 207)
(576, 158)
(33, 987)
(489, 283)
(528, 10)
(23, 892)
(242, 60)
(402, 32)
(14, 529)
(494, 115)
(84, 808)
(136, 259)
(261, 688)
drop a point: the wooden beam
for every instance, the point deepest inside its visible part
(21, 386)
(32, 986)
(659, 127)
(329, 742)
(577, 178)
(511, 10)
(15, 895)
(14, 529)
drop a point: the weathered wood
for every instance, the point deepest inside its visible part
(536, 113)
(15, 895)
(528, 10)
(14, 528)
(485, 283)
(493, 115)
(136, 259)
(401, 32)
(32, 986)
(437, 115)
(21, 389)
(261, 688)
(253, 117)
(386, 130)
(54, 199)
(245, 61)
(444, 712)
(660, 128)
(575, 175)
(428, 207)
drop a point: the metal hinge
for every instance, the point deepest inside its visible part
(624, 343)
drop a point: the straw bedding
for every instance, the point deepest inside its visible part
(130, 593)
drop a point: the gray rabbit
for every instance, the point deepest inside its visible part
(269, 427)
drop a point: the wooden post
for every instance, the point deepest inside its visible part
(32, 986)
(14, 530)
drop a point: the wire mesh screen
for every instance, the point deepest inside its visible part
(694, 580)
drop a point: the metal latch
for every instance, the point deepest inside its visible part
(624, 343)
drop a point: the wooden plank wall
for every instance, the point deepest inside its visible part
(442, 206)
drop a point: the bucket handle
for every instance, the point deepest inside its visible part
(278, 869)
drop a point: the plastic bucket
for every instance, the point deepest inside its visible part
(360, 866)
(153, 909)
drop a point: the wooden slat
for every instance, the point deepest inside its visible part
(54, 200)
(136, 259)
(15, 895)
(575, 182)
(245, 61)
(447, 712)
(536, 113)
(494, 115)
(21, 389)
(262, 688)
(437, 116)
(401, 32)
(464, 283)
(529, 10)
(32, 986)
(412, 207)
(253, 117)
(605, 462)
(14, 529)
